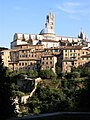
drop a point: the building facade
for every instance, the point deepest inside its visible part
(44, 50)
(47, 37)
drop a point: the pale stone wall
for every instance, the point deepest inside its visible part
(6, 57)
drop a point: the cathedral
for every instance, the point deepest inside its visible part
(46, 49)
(47, 37)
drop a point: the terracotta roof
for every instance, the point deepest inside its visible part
(85, 56)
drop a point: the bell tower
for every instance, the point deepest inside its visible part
(49, 25)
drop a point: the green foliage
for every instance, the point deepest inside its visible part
(32, 73)
(73, 74)
(20, 73)
(6, 107)
(68, 93)
(34, 105)
(47, 74)
(58, 71)
(85, 71)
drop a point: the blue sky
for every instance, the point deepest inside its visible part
(28, 16)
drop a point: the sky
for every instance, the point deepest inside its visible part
(29, 16)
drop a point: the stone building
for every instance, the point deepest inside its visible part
(44, 50)
(74, 57)
(47, 37)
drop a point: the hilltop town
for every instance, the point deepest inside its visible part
(45, 73)
(44, 50)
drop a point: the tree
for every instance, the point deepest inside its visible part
(75, 74)
(85, 71)
(32, 74)
(47, 74)
(6, 107)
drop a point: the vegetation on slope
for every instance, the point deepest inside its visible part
(57, 92)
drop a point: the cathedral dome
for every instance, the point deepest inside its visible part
(42, 31)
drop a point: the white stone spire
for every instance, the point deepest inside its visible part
(49, 25)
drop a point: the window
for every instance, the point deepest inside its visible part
(46, 62)
(22, 55)
(19, 64)
(78, 54)
(82, 52)
(51, 27)
(86, 52)
(70, 50)
(79, 63)
(56, 50)
(74, 55)
(50, 62)
(65, 50)
(42, 62)
(25, 63)
(65, 54)
(82, 58)
(86, 58)
(72, 63)
(22, 64)
(70, 54)
(50, 58)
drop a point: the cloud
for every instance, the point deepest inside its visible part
(69, 7)
(71, 4)
(66, 9)
(74, 8)
(74, 17)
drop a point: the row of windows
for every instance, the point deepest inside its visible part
(25, 51)
(47, 58)
(70, 50)
(85, 58)
(46, 63)
(28, 55)
(74, 54)
(24, 64)
(74, 51)
(66, 58)
(55, 50)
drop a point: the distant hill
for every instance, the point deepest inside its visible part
(3, 48)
